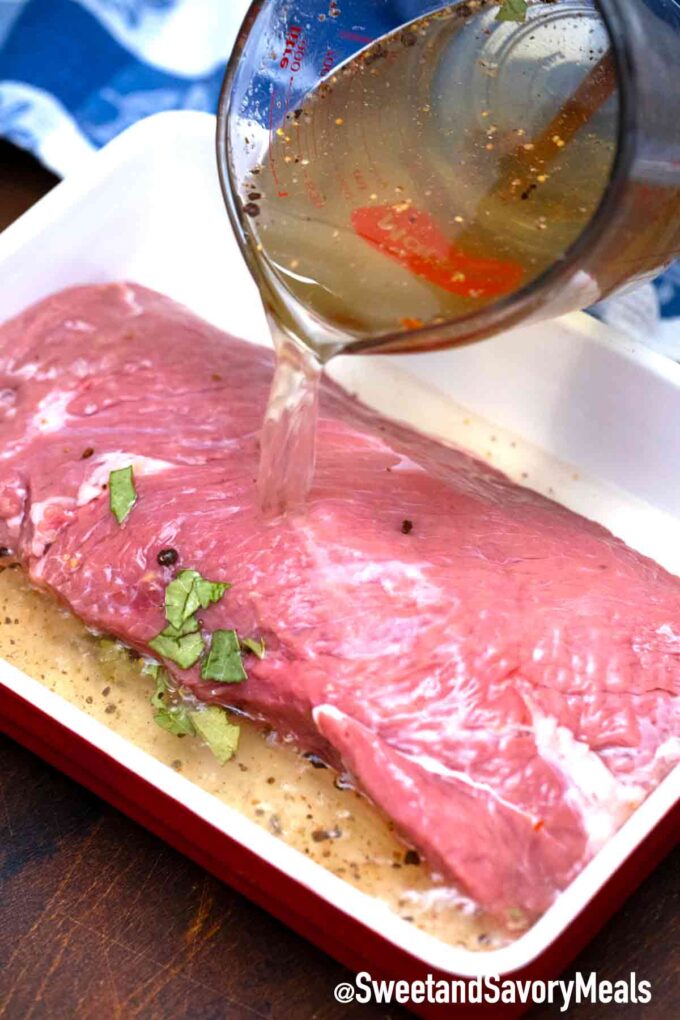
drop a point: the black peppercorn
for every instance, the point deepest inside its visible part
(167, 557)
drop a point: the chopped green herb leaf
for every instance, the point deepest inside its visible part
(181, 641)
(181, 599)
(212, 723)
(122, 493)
(189, 592)
(210, 591)
(513, 10)
(190, 626)
(224, 659)
(249, 644)
(158, 696)
(185, 650)
(221, 736)
(151, 669)
(111, 652)
(176, 719)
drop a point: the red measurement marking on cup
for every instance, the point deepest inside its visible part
(356, 37)
(329, 62)
(413, 239)
(294, 48)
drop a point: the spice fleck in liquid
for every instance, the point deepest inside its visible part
(391, 199)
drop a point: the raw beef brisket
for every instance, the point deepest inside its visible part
(502, 679)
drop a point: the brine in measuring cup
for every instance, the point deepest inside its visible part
(404, 191)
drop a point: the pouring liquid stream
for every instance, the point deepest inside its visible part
(288, 437)
(372, 212)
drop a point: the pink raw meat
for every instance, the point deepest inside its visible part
(502, 680)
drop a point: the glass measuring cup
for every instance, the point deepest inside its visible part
(577, 80)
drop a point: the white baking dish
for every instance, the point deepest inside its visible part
(595, 421)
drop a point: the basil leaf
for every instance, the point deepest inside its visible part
(190, 626)
(181, 599)
(176, 720)
(158, 697)
(209, 591)
(224, 662)
(122, 493)
(181, 641)
(173, 718)
(513, 10)
(250, 644)
(189, 592)
(185, 650)
(221, 736)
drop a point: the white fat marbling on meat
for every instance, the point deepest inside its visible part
(130, 300)
(32, 370)
(8, 398)
(393, 576)
(79, 326)
(13, 525)
(671, 636)
(11, 450)
(93, 485)
(354, 571)
(437, 768)
(602, 801)
(330, 711)
(428, 763)
(406, 464)
(51, 415)
(90, 489)
(13, 494)
(669, 751)
(81, 368)
(43, 533)
(346, 570)
(665, 757)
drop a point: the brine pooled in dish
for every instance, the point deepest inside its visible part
(498, 674)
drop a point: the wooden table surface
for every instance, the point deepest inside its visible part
(99, 919)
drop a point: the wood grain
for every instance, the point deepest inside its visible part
(99, 920)
(22, 182)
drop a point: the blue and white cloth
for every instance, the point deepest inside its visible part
(75, 73)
